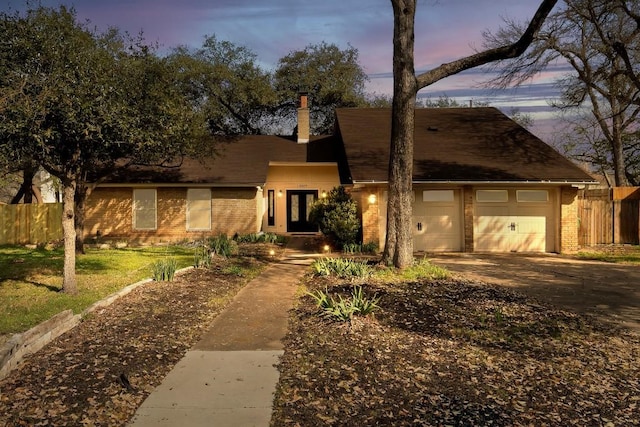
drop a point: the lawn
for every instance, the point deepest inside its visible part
(444, 351)
(31, 279)
(624, 254)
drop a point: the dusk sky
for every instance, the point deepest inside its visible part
(445, 30)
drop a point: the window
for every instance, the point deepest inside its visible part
(144, 209)
(437, 196)
(198, 209)
(271, 208)
(492, 196)
(532, 195)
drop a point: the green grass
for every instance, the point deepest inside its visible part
(621, 255)
(421, 269)
(31, 280)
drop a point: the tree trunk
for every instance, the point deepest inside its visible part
(69, 233)
(82, 192)
(399, 242)
(26, 187)
(617, 149)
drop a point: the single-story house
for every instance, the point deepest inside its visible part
(481, 183)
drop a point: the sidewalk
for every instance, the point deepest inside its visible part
(228, 378)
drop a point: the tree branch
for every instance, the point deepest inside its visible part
(504, 52)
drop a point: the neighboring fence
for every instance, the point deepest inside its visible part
(30, 223)
(609, 215)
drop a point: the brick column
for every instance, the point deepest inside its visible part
(467, 200)
(568, 220)
(370, 216)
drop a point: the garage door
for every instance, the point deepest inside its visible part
(513, 221)
(436, 221)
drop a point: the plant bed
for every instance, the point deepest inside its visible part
(453, 352)
(103, 369)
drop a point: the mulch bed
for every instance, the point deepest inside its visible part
(102, 370)
(456, 353)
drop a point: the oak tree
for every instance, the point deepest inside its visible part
(398, 243)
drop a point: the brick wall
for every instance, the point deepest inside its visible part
(370, 216)
(109, 214)
(467, 200)
(568, 220)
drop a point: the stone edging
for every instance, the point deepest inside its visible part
(22, 344)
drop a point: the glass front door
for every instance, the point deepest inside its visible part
(298, 208)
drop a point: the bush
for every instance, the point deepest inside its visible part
(341, 267)
(259, 238)
(356, 248)
(164, 270)
(336, 216)
(222, 245)
(344, 309)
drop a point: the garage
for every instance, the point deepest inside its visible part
(437, 221)
(514, 220)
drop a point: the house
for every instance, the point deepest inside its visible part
(481, 183)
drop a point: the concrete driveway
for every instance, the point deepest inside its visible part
(609, 291)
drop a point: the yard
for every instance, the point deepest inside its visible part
(455, 352)
(441, 350)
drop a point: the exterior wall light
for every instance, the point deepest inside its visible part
(372, 199)
(279, 193)
(323, 194)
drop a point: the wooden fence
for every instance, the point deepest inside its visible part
(608, 216)
(30, 223)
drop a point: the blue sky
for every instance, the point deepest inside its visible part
(445, 30)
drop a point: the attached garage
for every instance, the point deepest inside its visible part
(437, 225)
(514, 220)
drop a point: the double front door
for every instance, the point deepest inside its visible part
(298, 208)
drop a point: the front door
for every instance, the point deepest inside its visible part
(298, 208)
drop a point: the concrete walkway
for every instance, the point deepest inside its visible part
(229, 377)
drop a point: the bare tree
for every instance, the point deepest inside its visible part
(399, 244)
(599, 39)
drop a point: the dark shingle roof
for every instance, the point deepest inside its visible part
(453, 144)
(242, 161)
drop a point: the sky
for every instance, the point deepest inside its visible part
(445, 30)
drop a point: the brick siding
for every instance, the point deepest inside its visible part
(109, 215)
(568, 220)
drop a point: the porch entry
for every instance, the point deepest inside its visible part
(298, 208)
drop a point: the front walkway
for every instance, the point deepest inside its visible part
(229, 377)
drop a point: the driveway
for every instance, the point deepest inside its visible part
(609, 291)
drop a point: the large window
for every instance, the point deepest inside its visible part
(144, 209)
(198, 209)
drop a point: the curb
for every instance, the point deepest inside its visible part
(25, 343)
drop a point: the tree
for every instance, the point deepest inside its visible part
(332, 76)
(600, 40)
(79, 103)
(398, 244)
(236, 95)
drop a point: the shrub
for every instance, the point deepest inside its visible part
(336, 216)
(222, 245)
(164, 270)
(344, 309)
(356, 248)
(202, 256)
(259, 238)
(341, 267)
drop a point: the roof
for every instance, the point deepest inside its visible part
(241, 161)
(453, 145)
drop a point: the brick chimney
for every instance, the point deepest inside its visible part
(303, 119)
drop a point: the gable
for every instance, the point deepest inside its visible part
(453, 144)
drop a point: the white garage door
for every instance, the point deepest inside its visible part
(513, 221)
(436, 221)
